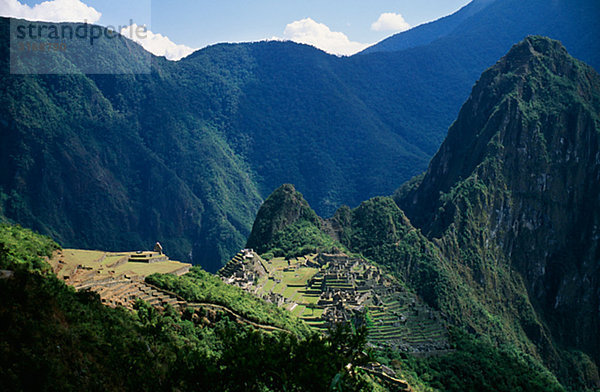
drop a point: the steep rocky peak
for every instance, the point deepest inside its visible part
(533, 48)
(536, 96)
(521, 166)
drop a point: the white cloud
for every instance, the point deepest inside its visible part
(388, 21)
(157, 44)
(51, 11)
(307, 31)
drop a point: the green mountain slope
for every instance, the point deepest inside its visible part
(287, 225)
(57, 339)
(296, 119)
(428, 32)
(93, 163)
(516, 179)
(509, 203)
(500, 233)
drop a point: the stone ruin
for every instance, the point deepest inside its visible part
(348, 290)
(243, 270)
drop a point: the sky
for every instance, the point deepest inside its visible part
(176, 28)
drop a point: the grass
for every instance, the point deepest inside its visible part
(268, 287)
(299, 277)
(279, 288)
(289, 292)
(144, 269)
(310, 299)
(299, 310)
(83, 257)
(294, 278)
(109, 259)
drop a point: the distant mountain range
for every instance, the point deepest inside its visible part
(428, 32)
(186, 154)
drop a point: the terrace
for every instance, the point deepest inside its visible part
(325, 289)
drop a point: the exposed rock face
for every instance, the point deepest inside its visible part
(517, 182)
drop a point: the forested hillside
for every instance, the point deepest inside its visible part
(186, 153)
(55, 338)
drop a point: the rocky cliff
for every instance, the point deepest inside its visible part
(515, 188)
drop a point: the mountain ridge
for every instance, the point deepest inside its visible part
(428, 32)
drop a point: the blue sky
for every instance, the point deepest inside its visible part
(218, 21)
(340, 27)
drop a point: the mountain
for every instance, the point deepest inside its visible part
(441, 73)
(184, 152)
(286, 225)
(297, 118)
(500, 233)
(94, 163)
(493, 24)
(427, 33)
(115, 162)
(285, 207)
(509, 202)
(512, 188)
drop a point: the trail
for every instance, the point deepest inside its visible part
(197, 305)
